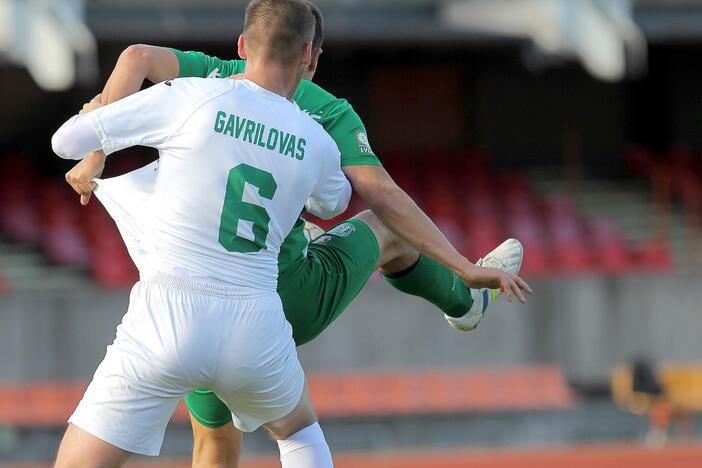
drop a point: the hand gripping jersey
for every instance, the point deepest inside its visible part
(237, 165)
(336, 115)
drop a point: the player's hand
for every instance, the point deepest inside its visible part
(80, 178)
(493, 278)
(95, 103)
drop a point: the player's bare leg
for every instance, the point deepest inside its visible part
(300, 439)
(79, 449)
(221, 447)
(395, 254)
(216, 447)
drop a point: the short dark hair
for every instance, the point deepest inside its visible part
(278, 29)
(318, 39)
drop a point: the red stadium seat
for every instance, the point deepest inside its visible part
(612, 254)
(537, 260)
(20, 222)
(655, 256)
(641, 161)
(18, 217)
(113, 268)
(4, 286)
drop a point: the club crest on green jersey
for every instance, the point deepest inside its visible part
(342, 230)
(363, 143)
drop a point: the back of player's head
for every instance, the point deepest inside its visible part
(318, 39)
(278, 30)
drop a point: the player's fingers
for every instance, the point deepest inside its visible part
(518, 293)
(74, 185)
(83, 187)
(508, 291)
(87, 187)
(85, 198)
(519, 282)
(523, 284)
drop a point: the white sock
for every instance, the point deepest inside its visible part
(306, 449)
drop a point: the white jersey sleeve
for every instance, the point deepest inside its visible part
(333, 192)
(75, 138)
(149, 117)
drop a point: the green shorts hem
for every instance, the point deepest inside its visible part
(204, 401)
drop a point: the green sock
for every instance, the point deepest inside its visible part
(433, 282)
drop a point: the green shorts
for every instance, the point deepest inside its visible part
(314, 290)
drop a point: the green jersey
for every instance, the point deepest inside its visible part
(336, 116)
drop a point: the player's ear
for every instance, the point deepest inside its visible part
(307, 54)
(315, 58)
(241, 47)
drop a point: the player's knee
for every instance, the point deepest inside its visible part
(393, 250)
(301, 417)
(284, 431)
(383, 235)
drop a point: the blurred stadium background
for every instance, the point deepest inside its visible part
(573, 125)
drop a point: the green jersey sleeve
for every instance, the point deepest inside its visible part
(340, 121)
(199, 65)
(354, 145)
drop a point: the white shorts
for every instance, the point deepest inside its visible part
(179, 335)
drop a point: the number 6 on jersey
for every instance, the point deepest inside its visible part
(236, 209)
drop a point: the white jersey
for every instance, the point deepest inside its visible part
(238, 164)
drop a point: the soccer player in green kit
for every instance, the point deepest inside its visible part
(317, 281)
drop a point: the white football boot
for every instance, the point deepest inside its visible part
(507, 257)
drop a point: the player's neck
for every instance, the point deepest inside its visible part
(274, 77)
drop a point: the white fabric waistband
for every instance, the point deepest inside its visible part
(207, 289)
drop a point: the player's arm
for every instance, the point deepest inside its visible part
(75, 138)
(146, 62)
(403, 217)
(148, 118)
(141, 62)
(137, 63)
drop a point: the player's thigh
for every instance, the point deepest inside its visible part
(80, 449)
(299, 418)
(219, 446)
(316, 289)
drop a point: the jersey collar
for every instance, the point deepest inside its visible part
(264, 92)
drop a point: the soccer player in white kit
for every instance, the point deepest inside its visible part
(238, 163)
